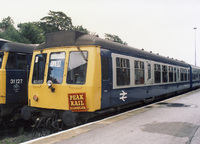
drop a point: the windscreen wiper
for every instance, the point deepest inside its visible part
(82, 54)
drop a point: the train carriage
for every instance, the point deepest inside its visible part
(75, 74)
(15, 59)
(195, 76)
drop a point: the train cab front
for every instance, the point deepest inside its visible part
(64, 82)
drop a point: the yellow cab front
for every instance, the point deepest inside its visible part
(66, 78)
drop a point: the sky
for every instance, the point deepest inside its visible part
(161, 26)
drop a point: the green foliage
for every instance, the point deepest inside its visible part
(81, 29)
(9, 32)
(13, 35)
(56, 21)
(114, 38)
(6, 23)
(32, 32)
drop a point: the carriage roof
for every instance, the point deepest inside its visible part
(74, 38)
(9, 46)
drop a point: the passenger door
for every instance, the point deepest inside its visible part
(106, 81)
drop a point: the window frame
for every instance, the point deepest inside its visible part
(157, 69)
(76, 75)
(175, 71)
(140, 68)
(123, 65)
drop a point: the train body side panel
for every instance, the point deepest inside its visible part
(16, 86)
(59, 99)
(112, 97)
(140, 93)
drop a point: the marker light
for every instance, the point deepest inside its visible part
(35, 98)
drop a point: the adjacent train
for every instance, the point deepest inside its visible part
(74, 76)
(15, 60)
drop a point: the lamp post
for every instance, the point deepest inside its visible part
(195, 28)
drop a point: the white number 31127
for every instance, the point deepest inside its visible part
(16, 81)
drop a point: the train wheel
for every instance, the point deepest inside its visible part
(69, 118)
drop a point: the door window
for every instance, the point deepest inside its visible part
(39, 68)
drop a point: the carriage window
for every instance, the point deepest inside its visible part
(77, 68)
(188, 75)
(164, 73)
(149, 71)
(199, 74)
(157, 73)
(1, 58)
(139, 72)
(16, 61)
(11, 62)
(193, 75)
(123, 71)
(56, 67)
(21, 61)
(171, 74)
(185, 74)
(182, 74)
(39, 68)
(104, 68)
(178, 71)
(175, 78)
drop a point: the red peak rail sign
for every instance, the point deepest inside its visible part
(77, 102)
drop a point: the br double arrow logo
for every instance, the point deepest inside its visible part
(123, 95)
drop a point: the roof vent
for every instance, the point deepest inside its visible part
(62, 38)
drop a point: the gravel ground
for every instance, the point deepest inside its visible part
(22, 136)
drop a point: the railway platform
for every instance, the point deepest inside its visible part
(172, 121)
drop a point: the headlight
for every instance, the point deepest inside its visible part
(49, 83)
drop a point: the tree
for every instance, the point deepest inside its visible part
(81, 29)
(9, 32)
(32, 32)
(13, 35)
(114, 38)
(6, 23)
(56, 21)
